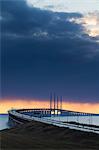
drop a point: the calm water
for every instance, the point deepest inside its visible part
(82, 119)
(3, 121)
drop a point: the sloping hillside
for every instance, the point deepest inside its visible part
(36, 135)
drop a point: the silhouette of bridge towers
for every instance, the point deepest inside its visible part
(55, 104)
(54, 114)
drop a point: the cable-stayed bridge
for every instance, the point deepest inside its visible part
(50, 115)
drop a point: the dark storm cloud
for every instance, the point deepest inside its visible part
(42, 51)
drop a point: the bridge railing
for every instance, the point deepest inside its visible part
(54, 122)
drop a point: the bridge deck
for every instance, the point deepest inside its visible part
(23, 115)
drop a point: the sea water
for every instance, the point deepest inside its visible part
(94, 120)
(3, 121)
(81, 119)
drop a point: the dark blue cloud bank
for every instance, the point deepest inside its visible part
(43, 51)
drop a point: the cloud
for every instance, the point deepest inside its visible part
(44, 51)
(65, 5)
(90, 22)
(44, 25)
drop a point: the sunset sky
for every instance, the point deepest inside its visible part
(49, 46)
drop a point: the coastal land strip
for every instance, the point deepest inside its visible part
(41, 136)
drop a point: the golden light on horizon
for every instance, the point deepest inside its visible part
(75, 106)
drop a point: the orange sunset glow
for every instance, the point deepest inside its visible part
(17, 104)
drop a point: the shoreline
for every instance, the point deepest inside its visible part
(37, 135)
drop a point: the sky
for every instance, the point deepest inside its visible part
(49, 46)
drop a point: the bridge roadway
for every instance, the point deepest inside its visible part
(26, 115)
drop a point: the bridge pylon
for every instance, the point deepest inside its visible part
(55, 104)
